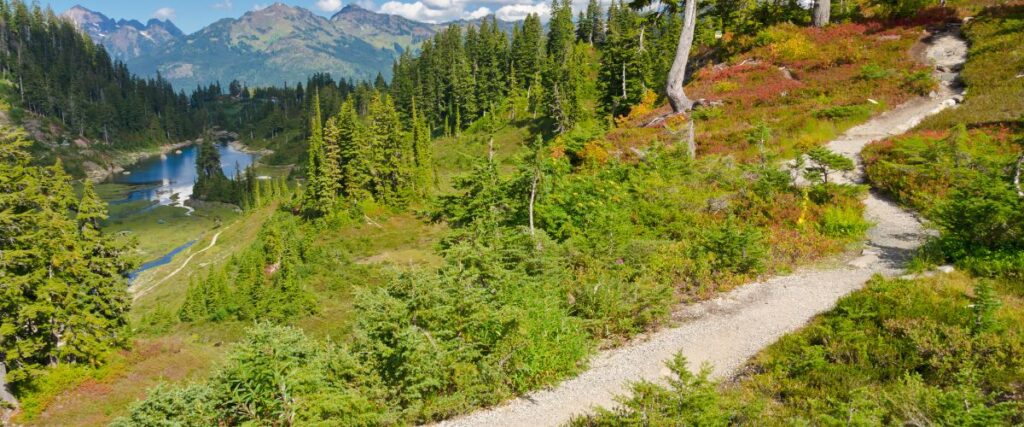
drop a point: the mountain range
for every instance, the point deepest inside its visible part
(271, 46)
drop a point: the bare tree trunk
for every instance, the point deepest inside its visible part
(822, 12)
(533, 199)
(691, 142)
(623, 80)
(1016, 176)
(677, 74)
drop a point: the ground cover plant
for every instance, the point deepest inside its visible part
(945, 350)
(807, 85)
(959, 167)
(942, 350)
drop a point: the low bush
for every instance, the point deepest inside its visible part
(844, 223)
(946, 350)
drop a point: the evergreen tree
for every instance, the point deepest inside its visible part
(594, 24)
(393, 167)
(622, 71)
(211, 183)
(64, 297)
(320, 191)
(561, 78)
(527, 51)
(422, 152)
(354, 153)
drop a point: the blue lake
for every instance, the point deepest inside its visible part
(168, 180)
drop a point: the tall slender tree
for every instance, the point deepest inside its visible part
(318, 197)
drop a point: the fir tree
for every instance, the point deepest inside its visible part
(561, 77)
(392, 154)
(64, 296)
(622, 72)
(354, 154)
(319, 195)
(421, 152)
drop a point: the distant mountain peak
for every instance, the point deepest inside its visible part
(123, 38)
(352, 7)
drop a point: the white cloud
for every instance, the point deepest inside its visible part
(258, 7)
(479, 13)
(516, 12)
(435, 11)
(328, 5)
(223, 5)
(164, 13)
(419, 12)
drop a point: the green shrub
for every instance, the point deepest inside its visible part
(690, 400)
(844, 112)
(874, 72)
(919, 82)
(843, 222)
(707, 113)
(983, 217)
(900, 8)
(190, 406)
(735, 247)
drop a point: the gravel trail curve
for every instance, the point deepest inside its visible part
(726, 331)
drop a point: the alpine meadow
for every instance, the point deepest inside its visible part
(478, 213)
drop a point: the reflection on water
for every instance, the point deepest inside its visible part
(168, 180)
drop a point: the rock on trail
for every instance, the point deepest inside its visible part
(726, 331)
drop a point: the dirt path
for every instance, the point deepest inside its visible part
(136, 294)
(730, 329)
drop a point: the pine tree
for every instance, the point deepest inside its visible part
(353, 153)
(392, 154)
(622, 71)
(319, 195)
(422, 152)
(560, 76)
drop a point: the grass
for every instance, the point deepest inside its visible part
(94, 396)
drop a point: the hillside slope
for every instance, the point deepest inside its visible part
(728, 330)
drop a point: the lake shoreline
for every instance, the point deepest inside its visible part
(122, 160)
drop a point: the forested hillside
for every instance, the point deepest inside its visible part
(54, 71)
(512, 203)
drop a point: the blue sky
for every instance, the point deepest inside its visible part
(191, 15)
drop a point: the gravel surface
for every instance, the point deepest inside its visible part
(725, 332)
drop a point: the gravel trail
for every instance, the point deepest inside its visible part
(726, 331)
